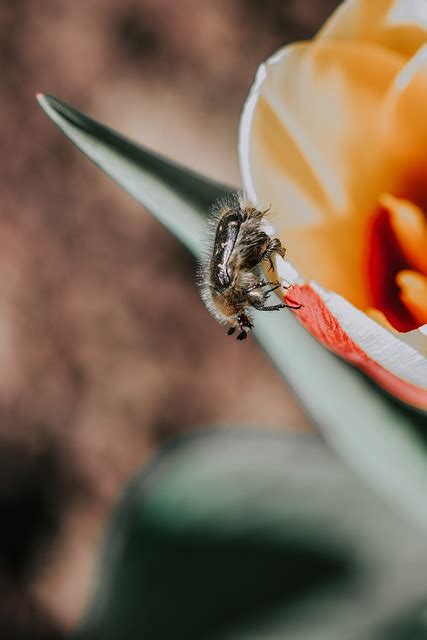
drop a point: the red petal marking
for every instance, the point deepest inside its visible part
(385, 260)
(315, 316)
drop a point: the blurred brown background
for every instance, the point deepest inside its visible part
(106, 350)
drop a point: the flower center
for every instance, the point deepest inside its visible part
(396, 262)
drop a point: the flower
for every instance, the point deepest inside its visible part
(334, 136)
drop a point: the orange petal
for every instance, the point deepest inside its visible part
(413, 294)
(313, 164)
(400, 25)
(349, 333)
(409, 225)
(403, 123)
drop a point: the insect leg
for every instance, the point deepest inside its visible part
(231, 330)
(257, 300)
(276, 286)
(276, 307)
(242, 335)
(263, 283)
(294, 306)
(274, 246)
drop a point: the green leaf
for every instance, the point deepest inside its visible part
(412, 625)
(143, 174)
(240, 535)
(383, 440)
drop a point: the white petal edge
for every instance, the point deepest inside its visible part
(286, 273)
(393, 351)
(246, 118)
(380, 345)
(244, 131)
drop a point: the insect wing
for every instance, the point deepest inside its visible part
(225, 240)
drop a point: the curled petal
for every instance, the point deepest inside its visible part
(351, 334)
(400, 25)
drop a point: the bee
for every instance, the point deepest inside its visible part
(230, 276)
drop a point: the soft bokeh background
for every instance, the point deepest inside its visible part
(106, 350)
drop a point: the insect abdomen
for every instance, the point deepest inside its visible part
(225, 239)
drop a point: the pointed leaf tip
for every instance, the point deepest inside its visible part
(177, 196)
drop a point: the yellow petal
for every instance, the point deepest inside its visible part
(303, 149)
(413, 287)
(400, 25)
(410, 228)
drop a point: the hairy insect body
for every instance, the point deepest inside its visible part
(230, 275)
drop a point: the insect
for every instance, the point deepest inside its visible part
(230, 275)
